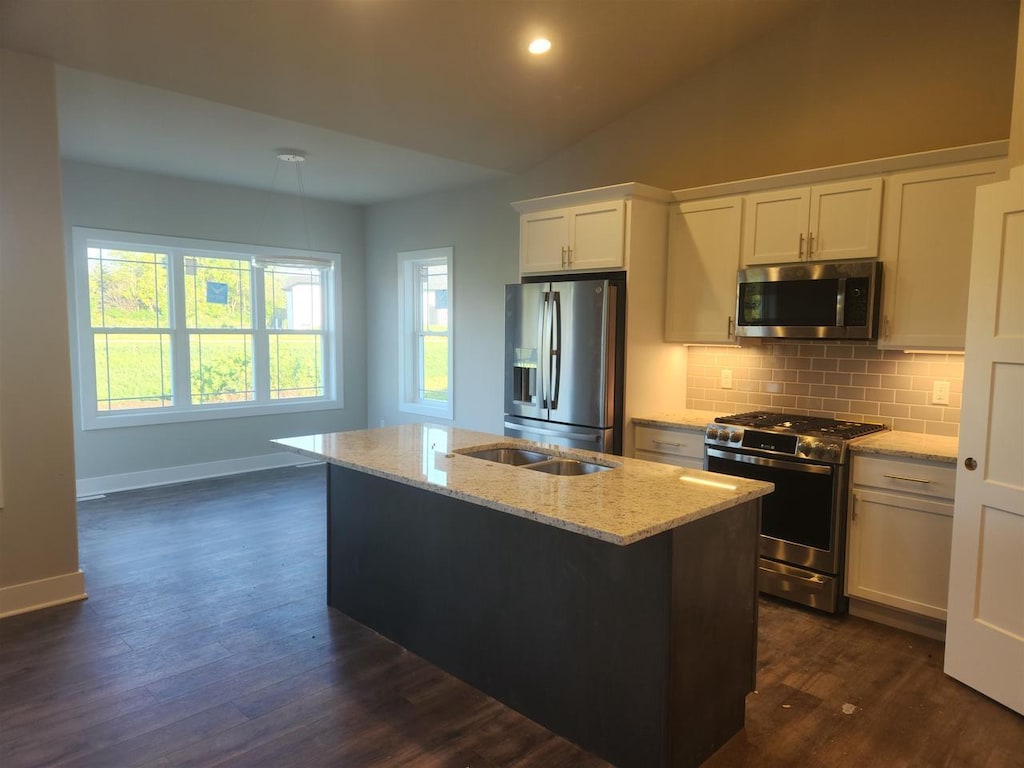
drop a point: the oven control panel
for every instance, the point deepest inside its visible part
(823, 449)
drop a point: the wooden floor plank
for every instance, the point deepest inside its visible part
(206, 641)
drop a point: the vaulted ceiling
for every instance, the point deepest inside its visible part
(389, 97)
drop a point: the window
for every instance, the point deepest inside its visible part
(425, 299)
(171, 329)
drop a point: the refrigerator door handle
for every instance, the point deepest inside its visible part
(556, 347)
(542, 384)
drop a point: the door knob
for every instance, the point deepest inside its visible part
(970, 464)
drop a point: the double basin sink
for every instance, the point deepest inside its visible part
(535, 460)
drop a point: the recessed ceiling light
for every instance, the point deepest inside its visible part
(540, 45)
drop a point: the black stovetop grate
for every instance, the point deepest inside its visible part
(800, 424)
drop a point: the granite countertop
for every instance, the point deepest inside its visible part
(689, 419)
(912, 445)
(635, 500)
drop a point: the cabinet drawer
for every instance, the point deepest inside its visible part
(677, 442)
(905, 475)
(665, 458)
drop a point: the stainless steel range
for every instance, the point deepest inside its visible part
(803, 523)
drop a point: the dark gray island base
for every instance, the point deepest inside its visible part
(642, 654)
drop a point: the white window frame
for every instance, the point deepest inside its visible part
(409, 365)
(183, 410)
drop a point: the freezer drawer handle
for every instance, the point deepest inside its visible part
(554, 432)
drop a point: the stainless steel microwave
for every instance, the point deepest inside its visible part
(823, 300)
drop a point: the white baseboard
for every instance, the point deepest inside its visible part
(93, 486)
(909, 622)
(44, 593)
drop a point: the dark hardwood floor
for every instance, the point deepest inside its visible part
(206, 641)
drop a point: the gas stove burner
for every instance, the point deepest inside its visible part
(801, 425)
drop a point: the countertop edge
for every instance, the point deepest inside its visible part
(696, 420)
(484, 501)
(909, 445)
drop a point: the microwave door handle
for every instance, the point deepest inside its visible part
(841, 303)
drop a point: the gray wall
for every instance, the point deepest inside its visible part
(38, 537)
(107, 198)
(484, 232)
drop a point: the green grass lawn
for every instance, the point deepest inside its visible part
(140, 369)
(435, 368)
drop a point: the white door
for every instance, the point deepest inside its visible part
(985, 629)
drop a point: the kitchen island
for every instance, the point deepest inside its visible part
(616, 608)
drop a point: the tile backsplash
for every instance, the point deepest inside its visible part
(844, 380)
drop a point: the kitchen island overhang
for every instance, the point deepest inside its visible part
(618, 609)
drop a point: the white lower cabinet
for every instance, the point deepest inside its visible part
(680, 446)
(899, 537)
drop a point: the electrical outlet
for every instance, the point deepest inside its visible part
(726, 378)
(940, 393)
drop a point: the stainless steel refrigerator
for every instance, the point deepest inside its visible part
(563, 362)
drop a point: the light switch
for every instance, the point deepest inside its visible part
(940, 393)
(726, 378)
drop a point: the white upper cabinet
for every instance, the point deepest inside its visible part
(543, 240)
(703, 256)
(588, 231)
(926, 249)
(597, 235)
(822, 222)
(775, 227)
(583, 237)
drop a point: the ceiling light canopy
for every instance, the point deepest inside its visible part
(291, 155)
(539, 45)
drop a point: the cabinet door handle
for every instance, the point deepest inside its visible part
(728, 328)
(569, 250)
(908, 479)
(665, 442)
(563, 255)
(853, 512)
(810, 246)
(800, 247)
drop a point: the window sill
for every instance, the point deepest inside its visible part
(209, 413)
(435, 412)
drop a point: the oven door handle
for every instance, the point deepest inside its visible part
(815, 469)
(809, 578)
